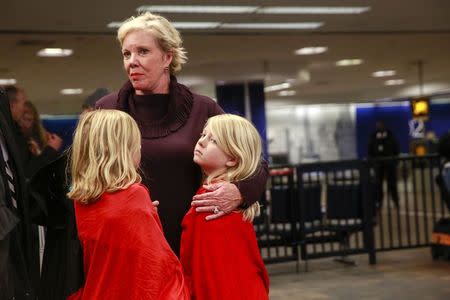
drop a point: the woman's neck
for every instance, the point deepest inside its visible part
(160, 87)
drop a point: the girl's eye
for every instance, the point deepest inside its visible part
(202, 135)
(213, 141)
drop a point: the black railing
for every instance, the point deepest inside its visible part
(335, 209)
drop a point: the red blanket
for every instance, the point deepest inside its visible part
(221, 259)
(125, 253)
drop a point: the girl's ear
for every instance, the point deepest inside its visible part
(231, 162)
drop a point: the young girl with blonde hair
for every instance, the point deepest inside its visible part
(125, 253)
(220, 258)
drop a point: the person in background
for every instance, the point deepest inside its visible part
(125, 253)
(171, 118)
(17, 261)
(221, 258)
(32, 155)
(33, 130)
(383, 144)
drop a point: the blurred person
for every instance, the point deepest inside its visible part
(383, 144)
(33, 130)
(16, 258)
(171, 118)
(124, 250)
(227, 265)
(33, 156)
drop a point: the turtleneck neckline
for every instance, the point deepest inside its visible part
(157, 115)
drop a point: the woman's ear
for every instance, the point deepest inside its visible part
(231, 162)
(168, 56)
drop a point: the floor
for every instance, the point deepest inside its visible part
(401, 274)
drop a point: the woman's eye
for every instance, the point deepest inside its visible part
(126, 54)
(143, 51)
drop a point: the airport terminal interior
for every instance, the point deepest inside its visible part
(321, 81)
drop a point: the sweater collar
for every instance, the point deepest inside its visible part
(180, 106)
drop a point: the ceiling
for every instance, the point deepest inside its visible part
(391, 35)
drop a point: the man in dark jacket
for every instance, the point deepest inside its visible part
(382, 144)
(16, 257)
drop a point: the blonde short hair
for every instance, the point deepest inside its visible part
(101, 157)
(239, 139)
(168, 38)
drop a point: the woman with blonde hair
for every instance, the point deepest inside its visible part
(170, 118)
(221, 259)
(124, 250)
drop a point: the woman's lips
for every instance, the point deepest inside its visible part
(135, 75)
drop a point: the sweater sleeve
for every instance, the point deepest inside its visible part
(253, 188)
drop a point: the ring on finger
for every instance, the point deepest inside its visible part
(216, 210)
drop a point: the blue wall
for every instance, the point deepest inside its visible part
(62, 126)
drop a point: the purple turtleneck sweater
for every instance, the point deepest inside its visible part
(170, 127)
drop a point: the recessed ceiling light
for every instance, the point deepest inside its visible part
(54, 52)
(310, 50)
(8, 81)
(317, 10)
(196, 25)
(394, 82)
(287, 93)
(277, 87)
(384, 73)
(299, 25)
(349, 62)
(199, 9)
(71, 91)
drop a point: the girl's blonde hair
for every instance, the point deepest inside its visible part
(168, 38)
(239, 139)
(102, 154)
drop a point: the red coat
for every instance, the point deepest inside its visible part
(221, 259)
(125, 253)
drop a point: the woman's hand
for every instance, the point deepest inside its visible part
(223, 197)
(155, 204)
(34, 147)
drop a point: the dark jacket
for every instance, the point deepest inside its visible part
(62, 265)
(382, 143)
(17, 261)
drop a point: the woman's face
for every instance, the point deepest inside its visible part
(26, 122)
(145, 62)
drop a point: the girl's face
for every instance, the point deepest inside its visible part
(209, 156)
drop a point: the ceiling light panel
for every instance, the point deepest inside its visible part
(71, 91)
(54, 52)
(310, 50)
(314, 10)
(394, 82)
(384, 73)
(198, 9)
(196, 25)
(287, 93)
(301, 25)
(349, 62)
(228, 9)
(7, 81)
(277, 87)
